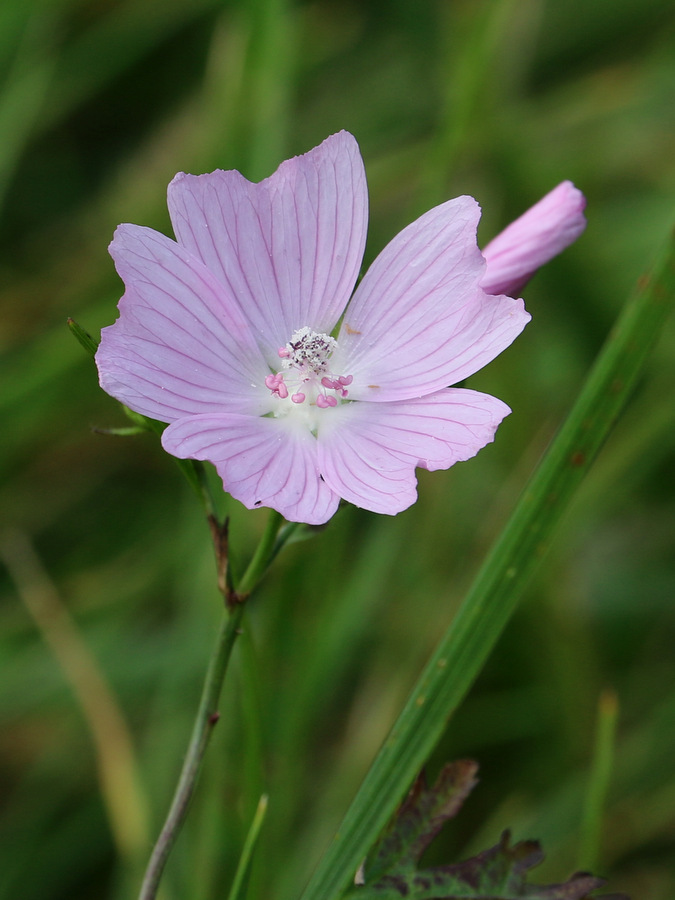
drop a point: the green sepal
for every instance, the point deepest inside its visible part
(120, 432)
(84, 338)
(144, 423)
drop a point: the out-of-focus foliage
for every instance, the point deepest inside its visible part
(101, 103)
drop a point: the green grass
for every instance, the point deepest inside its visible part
(100, 105)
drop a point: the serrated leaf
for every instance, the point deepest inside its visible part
(499, 873)
(421, 816)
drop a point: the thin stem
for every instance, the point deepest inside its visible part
(207, 714)
(267, 549)
(205, 489)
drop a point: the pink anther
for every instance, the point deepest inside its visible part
(276, 384)
(346, 379)
(323, 402)
(298, 398)
(283, 352)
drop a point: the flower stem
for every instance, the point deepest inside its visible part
(263, 556)
(207, 714)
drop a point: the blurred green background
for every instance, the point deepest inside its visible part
(101, 103)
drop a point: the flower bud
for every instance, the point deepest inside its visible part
(542, 232)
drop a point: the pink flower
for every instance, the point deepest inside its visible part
(533, 239)
(225, 334)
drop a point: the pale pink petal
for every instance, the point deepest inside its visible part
(289, 248)
(533, 239)
(262, 461)
(419, 321)
(368, 452)
(180, 346)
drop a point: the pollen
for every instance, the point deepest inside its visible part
(309, 350)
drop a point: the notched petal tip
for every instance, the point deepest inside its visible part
(288, 248)
(334, 145)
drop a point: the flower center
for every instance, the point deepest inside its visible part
(305, 375)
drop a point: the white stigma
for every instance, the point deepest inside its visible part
(308, 350)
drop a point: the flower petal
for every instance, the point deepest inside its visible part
(368, 452)
(419, 320)
(262, 461)
(289, 248)
(180, 346)
(533, 239)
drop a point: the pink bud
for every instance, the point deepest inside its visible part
(542, 232)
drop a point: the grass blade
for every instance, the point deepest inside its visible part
(499, 584)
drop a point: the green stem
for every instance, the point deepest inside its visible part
(203, 487)
(266, 551)
(500, 583)
(207, 714)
